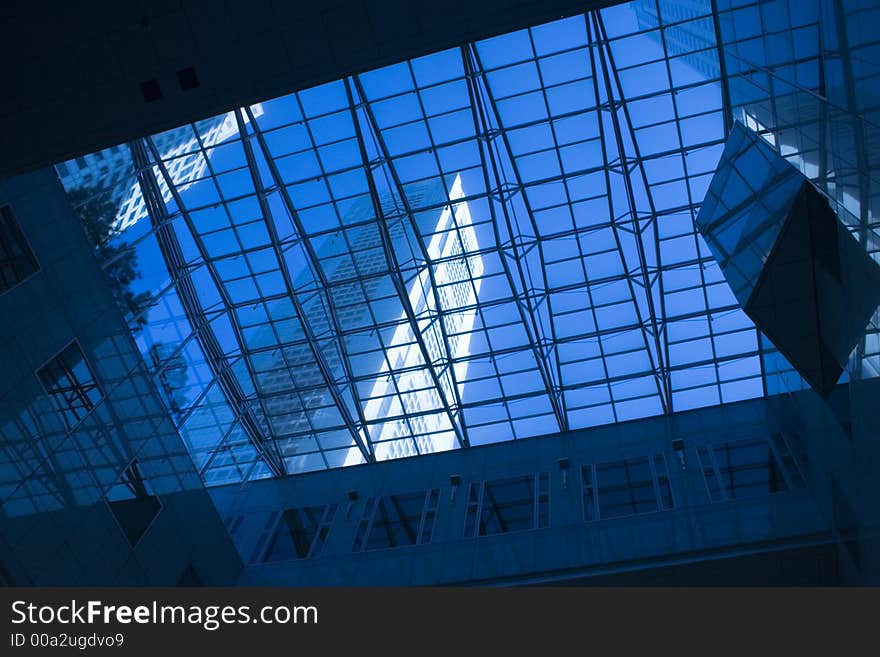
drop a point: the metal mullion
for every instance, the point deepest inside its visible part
(673, 90)
(859, 139)
(614, 228)
(539, 181)
(226, 300)
(519, 257)
(424, 116)
(359, 278)
(500, 401)
(465, 255)
(582, 172)
(189, 298)
(773, 75)
(573, 113)
(519, 126)
(494, 509)
(361, 379)
(350, 422)
(720, 359)
(245, 250)
(563, 340)
(391, 257)
(601, 40)
(537, 59)
(219, 448)
(196, 404)
(440, 314)
(173, 256)
(780, 464)
(481, 125)
(676, 118)
(568, 204)
(655, 479)
(600, 333)
(717, 334)
(165, 228)
(616, 379)
(463, 140)
(479, 307)
(734, 380)
(76, 387)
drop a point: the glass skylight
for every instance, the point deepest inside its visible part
(489, 243)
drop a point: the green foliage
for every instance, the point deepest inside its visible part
(173, 377)
(98, 215)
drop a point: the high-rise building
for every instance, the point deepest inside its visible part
(110, 171)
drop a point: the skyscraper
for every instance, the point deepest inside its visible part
(110, 171)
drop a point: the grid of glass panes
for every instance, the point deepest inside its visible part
(492, 242)
(69, 381)
(798, 76)
(390, 521)
(508, 505)
(626, 487)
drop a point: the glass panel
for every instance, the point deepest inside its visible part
(69, 381)
(625, 488)
(17, 261)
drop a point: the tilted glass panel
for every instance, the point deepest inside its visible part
(69, 381)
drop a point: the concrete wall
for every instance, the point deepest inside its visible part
(55, 526)
(72, 85)
(696, 531)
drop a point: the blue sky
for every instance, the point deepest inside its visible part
(594, 280)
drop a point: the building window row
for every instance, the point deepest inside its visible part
(613, 489)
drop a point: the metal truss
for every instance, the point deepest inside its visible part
(609, 72)
(457, 421)
(541, 346)
(175, 262)
(354, 427)
(605, 326)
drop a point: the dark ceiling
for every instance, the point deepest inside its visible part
(78, 75)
